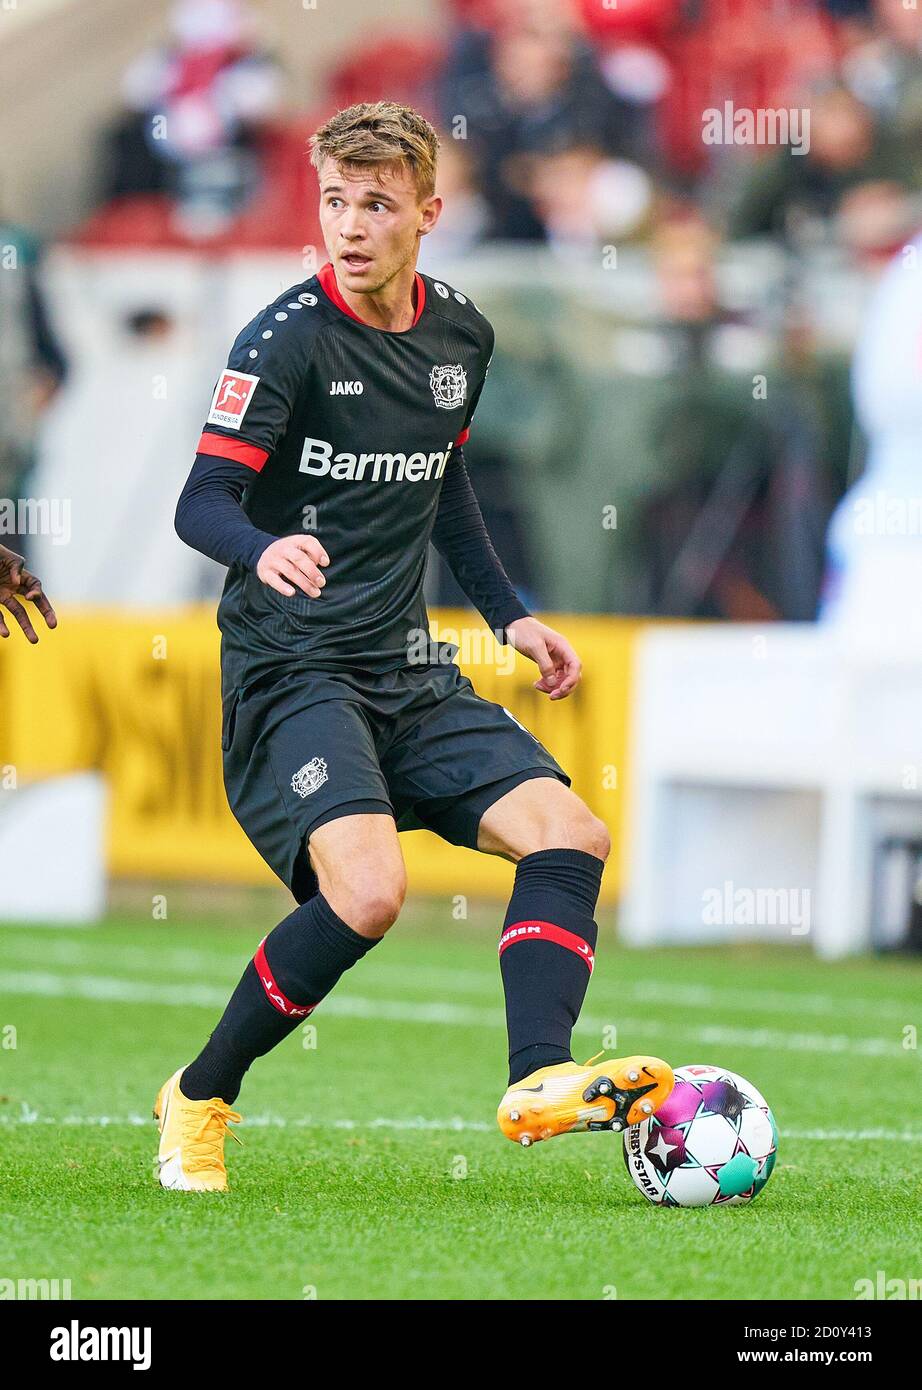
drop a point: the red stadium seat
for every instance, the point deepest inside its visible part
(395, 68)
(282, 214)
(746, 56)
(630, 19)
(475, 14)
(144, 220)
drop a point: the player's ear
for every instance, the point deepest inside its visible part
(430, 210)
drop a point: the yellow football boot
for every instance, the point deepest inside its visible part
(191, 1154)
(567, 1097)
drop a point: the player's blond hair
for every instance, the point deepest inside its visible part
(380, 134)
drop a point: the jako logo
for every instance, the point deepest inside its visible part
(76, 1343)
(317, 457)
(346, 388)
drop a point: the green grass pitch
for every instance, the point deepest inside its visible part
(372, 1167)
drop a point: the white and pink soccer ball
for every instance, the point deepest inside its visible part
(713, 1142)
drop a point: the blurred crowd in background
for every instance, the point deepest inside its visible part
(593, 135)
(573, 122)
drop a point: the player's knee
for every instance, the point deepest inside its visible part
(595, 837)
(372, 907)
(590, 834)
(577, 828)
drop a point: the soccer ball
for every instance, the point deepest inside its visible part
(713, 1142)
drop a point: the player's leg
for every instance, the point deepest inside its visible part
(473, 774)
(559, 848)
(362, 879)
(547, 951)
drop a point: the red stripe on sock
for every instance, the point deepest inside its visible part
(275, 996)
(547, 931)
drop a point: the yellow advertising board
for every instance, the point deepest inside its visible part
(136, 696)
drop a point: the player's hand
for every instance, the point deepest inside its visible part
(294, 561)
(558, 663)
(18, 585)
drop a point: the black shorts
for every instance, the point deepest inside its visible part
(417, 743)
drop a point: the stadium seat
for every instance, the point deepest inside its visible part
(630, 19)
(282, 215)
(396, 68)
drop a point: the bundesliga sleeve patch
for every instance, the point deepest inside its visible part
(233, 394)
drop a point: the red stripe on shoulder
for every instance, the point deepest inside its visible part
(237, 449)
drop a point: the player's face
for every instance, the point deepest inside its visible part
(372, 221)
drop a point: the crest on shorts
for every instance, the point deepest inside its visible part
(449, 385)
(309, 777)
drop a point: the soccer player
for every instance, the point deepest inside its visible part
(18, 585)
(331, 456)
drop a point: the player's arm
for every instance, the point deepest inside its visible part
(210, 518)
(461, 538)
(249, 414)
(18, 585)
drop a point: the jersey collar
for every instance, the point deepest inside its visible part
(327, 278)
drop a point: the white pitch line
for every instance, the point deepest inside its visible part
(109, 990)
(184, 961)
(40, 950)
(767, 1000)
(416, 1123)
(848, 1136)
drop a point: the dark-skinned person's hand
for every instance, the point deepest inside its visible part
(18, 587)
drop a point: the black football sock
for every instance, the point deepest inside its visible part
(295, 967)
(546, 954)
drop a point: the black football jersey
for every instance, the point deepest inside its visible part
(348, 430)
